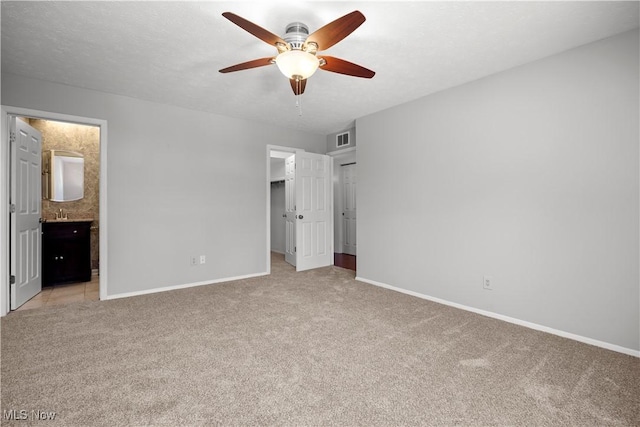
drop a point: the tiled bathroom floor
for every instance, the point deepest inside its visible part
(65, 294)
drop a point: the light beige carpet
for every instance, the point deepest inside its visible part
(312, 348)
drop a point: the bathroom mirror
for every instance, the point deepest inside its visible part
(65, 173)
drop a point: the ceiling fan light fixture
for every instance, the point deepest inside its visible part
(297, 64)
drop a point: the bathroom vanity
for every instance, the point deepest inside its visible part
(66, 251)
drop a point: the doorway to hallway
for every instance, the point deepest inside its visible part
(345, 190)
(308, 215)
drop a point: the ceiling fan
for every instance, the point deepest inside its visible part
(297, 55)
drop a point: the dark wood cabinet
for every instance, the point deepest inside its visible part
(66, 252)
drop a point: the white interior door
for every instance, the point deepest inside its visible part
(26, 193)
(314, 213)
(290, 209)
(349, 182)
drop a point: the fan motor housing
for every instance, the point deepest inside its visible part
(295, 34)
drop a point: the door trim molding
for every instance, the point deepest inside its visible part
(5, 249)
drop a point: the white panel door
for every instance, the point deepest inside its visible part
(26, 191)
(349, 182)
(314, 213)
(290, 209)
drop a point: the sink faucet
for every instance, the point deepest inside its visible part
(61, 215)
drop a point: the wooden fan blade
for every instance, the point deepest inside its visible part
(337, 30)
(298, 86)
(256, 30)
(337, 65)
(249, 64)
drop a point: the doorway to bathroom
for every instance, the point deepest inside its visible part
(74, 229)
(69, 273)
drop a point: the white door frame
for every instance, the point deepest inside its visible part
(270, 147)
(5, 191)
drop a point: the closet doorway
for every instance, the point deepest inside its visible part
(276, 200)
(277, 182)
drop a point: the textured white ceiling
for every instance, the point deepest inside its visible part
(170, 52)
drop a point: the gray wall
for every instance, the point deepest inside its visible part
(530, 176)
(180, 183)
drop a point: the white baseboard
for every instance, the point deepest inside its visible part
(183, 286)
(530, 325)
(278, 252)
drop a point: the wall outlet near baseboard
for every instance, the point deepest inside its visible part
(487, 283)
(194, 260)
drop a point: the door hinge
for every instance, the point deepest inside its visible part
(12, 137)
(12, 280)
(12, 208)
(295, 249)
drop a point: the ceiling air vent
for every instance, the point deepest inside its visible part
(342, 139)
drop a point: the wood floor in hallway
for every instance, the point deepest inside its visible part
(345, 261)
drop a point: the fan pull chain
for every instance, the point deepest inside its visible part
(298, 98)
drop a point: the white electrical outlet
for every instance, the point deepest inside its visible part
(203, 259)
(487, 282)
(194, 260)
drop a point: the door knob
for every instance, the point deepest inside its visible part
(300, 217)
